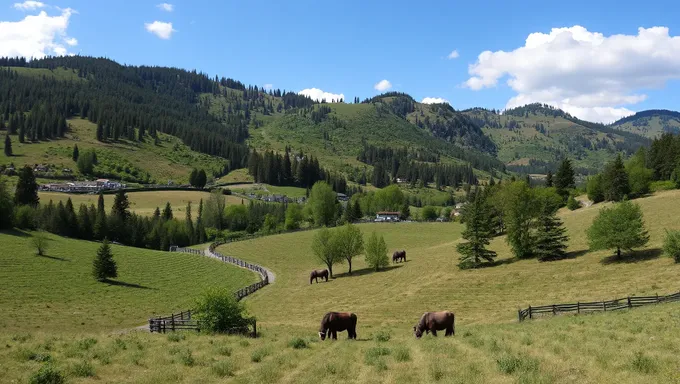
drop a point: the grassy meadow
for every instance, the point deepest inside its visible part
(490, 346)
(57, 293)
(142, 203)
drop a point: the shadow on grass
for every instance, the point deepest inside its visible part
(124, 284)
(496, 263)
(633, 257)
(15, 232)
(365, 271)
(53, 257)
(569, 255)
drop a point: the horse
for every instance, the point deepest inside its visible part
(399, 255)
(334, 322)
(322, 273)
(436, 321)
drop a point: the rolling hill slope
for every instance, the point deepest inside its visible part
(651, 123)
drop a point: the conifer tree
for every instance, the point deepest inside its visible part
(76, 153)
(100, 132)
(189, 222)
(26, 192)
(201, 179)
(564, 179)
(8, 146)
(478, 233)
(550, 239)
(84, 223)
(615, 180)
(200, 229)
(100, 225)
(549, 179)
(192, 177)
(104, 267)
(167, 212)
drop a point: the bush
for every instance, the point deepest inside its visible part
(382, 335)
(223, 368)
(573, 204)
(665, 185)
(39, 242)
(47, 374)
(218, 311)
(429, 213)
(259, 354)
(671, 245)
(298, 343)
(186, 358)
(82, 369)
(25, 217)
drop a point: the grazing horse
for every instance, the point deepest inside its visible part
(322, 273)
(334, 322)
(399, 255)
(436, 321)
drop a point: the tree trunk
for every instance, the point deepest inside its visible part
(618, 252)
(330, 271)
(350, 265)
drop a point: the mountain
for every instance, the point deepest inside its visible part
(535, 137)
(651, 123)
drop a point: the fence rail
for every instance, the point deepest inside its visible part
(183, 320)
(595, 306)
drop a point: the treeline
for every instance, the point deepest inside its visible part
(389, 165)
(456, 128)
(292, 170)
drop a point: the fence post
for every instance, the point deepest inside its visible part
(578, 307)
(554, 310)
(519, 315)
(657, 298)
(604, 305)
(254, 328)
(630, 305)
(172, 322)
(530, 314)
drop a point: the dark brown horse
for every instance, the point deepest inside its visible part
(436, 321)
(322, 273)
(334, 322)
(399, 255)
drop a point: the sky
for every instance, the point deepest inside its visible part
(598, 60)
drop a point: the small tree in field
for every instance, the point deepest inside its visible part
(104, 267)
(324, 248)
(550, 242)
(349, 243)
(478, 233)
(376, 252)
(619, 227)
(218, 311)
(39, 241)
(671, 245)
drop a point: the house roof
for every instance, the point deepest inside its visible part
(388, 213)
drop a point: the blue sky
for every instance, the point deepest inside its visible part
(347, 47)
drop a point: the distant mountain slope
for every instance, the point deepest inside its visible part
(535, 137)
(650, 123)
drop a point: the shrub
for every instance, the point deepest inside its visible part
(429, 213)
(82, 369)
(223, 368)
(671, 245)
(218, 311)
(665, 185)
(573, 204)
(259, 354)
(382, 335)
(298, 343)
(47, 374)
(39, 242)
(25, 217)
(642, 363)
(186, 358)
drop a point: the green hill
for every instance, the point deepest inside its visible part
(651, 123)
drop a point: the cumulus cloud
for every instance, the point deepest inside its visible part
(587, 74)
(268, 86)
(382, 85)
(29, 5)
(161, 29)
(166, 7)
(434, 100)
(318, 95)
(454, 54)
(36, 36)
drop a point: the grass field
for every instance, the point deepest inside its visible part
(143, 203)
(170, 160)
(56, 292)
(490, 346)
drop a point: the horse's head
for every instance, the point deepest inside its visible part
(322, 335)
(417, 332)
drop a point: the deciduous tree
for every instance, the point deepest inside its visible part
(620, 227)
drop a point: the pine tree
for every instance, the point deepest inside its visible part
(76, 153)
(100, 132)
(100, 225)
(201, 179)
(26, 192)
(121, 205)
(615, 180)
(200, 229)
(104, 267)
(549, 180)
(71, 220)
(564, 179)
(192, 177)
(478, 233)
(189, 223)
(8, 146)
(84, 223)
(550, 239)
(167, 212)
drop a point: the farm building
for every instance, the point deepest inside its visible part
(387, 216)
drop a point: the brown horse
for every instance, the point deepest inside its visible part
(322, 273)
(436, 321)
(334, 322)
(399, 255)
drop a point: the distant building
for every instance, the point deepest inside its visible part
(342, 197)
(387, 216)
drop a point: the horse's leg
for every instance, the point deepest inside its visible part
(335, 335)
(434, 332)
(449, 331)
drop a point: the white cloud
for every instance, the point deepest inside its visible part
(382, 85)
(166, 7)
(454, 54)
(36, 36)
(268, 86)
(318, 95)
(29, 5)
(160, 29)
(587, 74)
(434, 100)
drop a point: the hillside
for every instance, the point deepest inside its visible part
(651, 123)
(534, 138)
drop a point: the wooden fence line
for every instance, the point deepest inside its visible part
(183, 320)
(596, 306)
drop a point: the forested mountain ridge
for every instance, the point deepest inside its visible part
(651, 123)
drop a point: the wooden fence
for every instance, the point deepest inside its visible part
(183, 320)
(595, 306)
